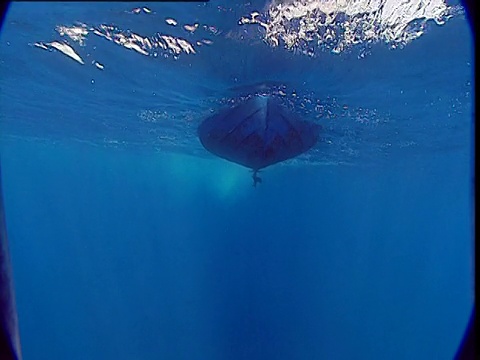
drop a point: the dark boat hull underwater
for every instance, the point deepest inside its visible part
(257, 133)
(9, 336)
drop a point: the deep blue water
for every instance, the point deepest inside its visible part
(129, 241)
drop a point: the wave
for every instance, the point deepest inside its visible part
(309, 26)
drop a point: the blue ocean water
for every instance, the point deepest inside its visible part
(130, 241)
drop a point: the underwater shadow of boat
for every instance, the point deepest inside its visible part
(9, 335)
(257, 133)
